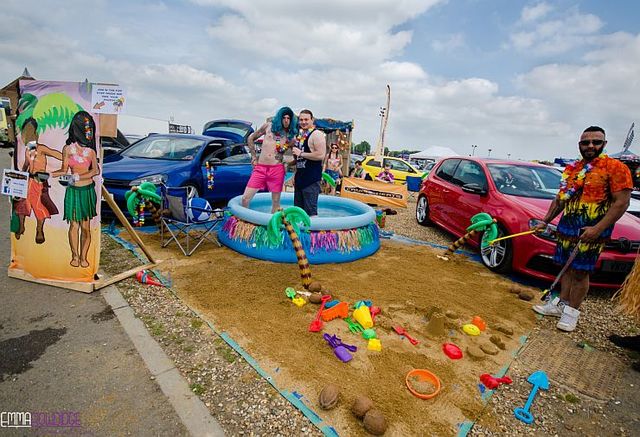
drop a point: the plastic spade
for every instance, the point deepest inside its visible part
(340, 349)
(400, 330)
(316, 324)
(539, 380)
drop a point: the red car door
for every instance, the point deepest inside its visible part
(469, 195)
(439, 191)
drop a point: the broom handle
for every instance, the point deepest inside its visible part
(572, 256)
(511, 236)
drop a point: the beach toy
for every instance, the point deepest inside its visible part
(363, 316)
(374, 345)
(316, 323)
(471, 329)
(374, 312)
(144, 278)
(368, 334)
(298, 301)
(359, 303)
(332, 303)
(477, 320)
(340, 310)
(539, 380)
(340, 349)
(492, 382)
(354, 327)
(452, 351)
(290, 292)
(400, 330)
(424, 376)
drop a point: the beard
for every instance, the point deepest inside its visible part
(589, 157)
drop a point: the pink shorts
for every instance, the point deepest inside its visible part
(269, 177)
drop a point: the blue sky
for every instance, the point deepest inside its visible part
(521, 77)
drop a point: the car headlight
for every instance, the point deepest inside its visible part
(154, 179)
(548, 234)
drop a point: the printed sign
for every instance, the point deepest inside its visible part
(180, 129)
(107, 99)
(374, 192)
(15, 183)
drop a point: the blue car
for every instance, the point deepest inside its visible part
(178, 160)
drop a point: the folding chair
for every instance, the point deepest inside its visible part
(188, 234)
(413, 185)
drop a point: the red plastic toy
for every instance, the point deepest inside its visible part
(144, 278)
(452, 351)
(492, 382)
(374, 312)
(316, 324)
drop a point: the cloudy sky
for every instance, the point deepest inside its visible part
(520, 77)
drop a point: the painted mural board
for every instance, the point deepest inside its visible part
(55, 230)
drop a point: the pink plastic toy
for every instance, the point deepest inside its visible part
(492, 382)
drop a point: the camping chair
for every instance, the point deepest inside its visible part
(178, 227)
(413, 185)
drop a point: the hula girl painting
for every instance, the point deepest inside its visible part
(80, 200)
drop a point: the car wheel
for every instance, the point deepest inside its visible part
(422, 211)
(192, 191)
(499, 256)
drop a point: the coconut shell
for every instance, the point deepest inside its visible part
(315, 287)
(315, 298)
(361, 405)
(374, 422)
(329, 397)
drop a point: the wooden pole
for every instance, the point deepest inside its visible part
(118, 212)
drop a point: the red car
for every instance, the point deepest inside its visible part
(515, 193)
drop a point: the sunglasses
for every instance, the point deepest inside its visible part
(594, 142)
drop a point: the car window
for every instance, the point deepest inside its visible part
(398, 165)
(237, 154)
(160, 147)
(469, 172)
(526, 180)
(447, 168)
(373, 163)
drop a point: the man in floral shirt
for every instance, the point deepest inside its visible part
(594, 194)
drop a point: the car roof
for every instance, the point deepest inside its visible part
(190, 136)
(495, 161)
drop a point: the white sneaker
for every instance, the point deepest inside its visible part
(569, 319)
(553, 308)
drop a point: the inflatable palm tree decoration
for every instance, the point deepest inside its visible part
(140, 197)
(481, 222)
(291, 218)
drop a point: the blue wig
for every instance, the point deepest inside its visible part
(276, 123)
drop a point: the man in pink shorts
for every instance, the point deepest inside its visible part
(268, 171)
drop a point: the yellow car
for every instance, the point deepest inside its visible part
(399, 168)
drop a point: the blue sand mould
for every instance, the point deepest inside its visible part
(539, 380)
(334, 214)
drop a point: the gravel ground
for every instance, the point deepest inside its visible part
(245, 404)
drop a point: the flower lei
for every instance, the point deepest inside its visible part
(566, 192)
(301, 137)
(280, 148)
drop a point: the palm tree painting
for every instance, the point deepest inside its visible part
(291, 218)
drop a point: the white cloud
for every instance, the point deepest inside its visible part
(535, 12)
(453, 42)
(571, 29)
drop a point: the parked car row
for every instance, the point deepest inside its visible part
(515, 193)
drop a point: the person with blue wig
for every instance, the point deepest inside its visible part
(268, 169)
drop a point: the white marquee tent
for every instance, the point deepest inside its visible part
(434, 152)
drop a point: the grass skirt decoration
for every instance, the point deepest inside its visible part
(628, 296)
(333, 246)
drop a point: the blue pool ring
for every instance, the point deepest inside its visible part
(362, 215)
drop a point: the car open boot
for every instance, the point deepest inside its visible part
(631, 342)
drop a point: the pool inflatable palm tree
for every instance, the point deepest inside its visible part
(291, 218)
(481, 222)
(141, 196)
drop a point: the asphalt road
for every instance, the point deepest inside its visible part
(65, 352)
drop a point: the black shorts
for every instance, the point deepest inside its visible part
(307, 198)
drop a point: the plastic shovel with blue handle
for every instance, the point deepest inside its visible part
(539, 380)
